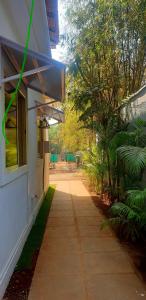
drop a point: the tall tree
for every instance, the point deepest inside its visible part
(107, 47)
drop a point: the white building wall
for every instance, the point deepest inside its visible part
(13, 226)
(136, 108)
(14, 19)
(21, 191)
(35, 174)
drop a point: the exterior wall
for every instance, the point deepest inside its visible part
(13, 225)
(21, 190)
(14, 19)
(46, 164)
(35, 174)
(136, 108)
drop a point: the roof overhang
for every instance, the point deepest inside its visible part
(51, 113)
(132, 97)
(41, 73)
(53, 23)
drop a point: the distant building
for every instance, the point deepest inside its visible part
(135, 106)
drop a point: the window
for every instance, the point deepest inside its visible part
(16, 131)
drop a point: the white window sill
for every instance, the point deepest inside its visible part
(12, 173)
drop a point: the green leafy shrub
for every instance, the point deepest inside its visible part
(129, 216)
(94, 167)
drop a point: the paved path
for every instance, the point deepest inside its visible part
(78, 261)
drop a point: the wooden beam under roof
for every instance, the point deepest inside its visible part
(15, 67)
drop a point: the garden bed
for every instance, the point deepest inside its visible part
(137, 250)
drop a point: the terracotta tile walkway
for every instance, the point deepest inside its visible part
(78, 261)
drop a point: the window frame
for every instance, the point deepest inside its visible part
(21, 125)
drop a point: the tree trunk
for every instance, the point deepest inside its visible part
(109, 170)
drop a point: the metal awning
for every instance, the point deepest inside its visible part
(52, 113)
(42, 73)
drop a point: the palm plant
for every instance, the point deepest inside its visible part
(128, 161)
(128, 157)
(134, 159)
(129, 216)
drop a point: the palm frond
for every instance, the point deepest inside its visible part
(143, 220)
(120, 209)
(129, 216)
(136, 198)
(134, 158)
(121, 138)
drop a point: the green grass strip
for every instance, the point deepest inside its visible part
(35, 237)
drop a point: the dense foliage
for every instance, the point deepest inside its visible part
(107, 51)
(74, 137)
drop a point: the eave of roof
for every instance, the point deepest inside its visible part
(53, 22)
(131, 98)
(51, 71)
